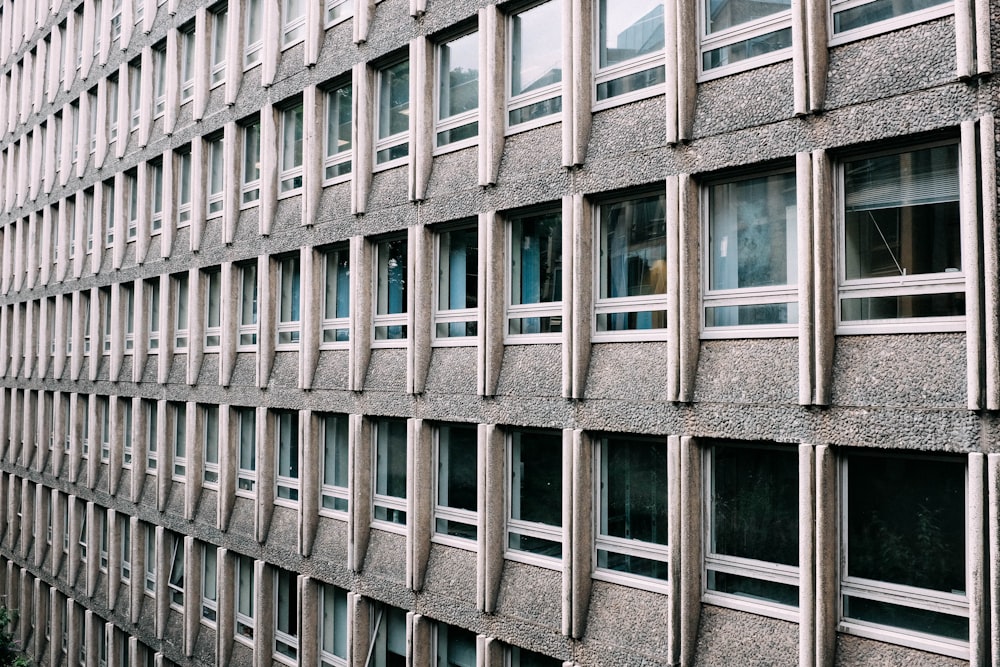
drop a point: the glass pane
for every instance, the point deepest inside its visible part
(768, 313)
(251, 153)
(457, 471)
(216, 168)
(456, 647)
(291, 143)
(289, 290)
(634, 489)
(643, 567)
(208, 581)
(906, 521)
(536, 259)
(338, 121)
(391, 277)
(219, 39)
(212, 434)
(631, 82)
(894, 307)
(466, 531)
(337, 297)
(458, 76)
(534, 545)
(334, 621)
(752, 233)
(534, 325)
(536, 477)
(185, 178)
(533, 111)
(629, 29)
(536, 48)
(214, 299)
(920, 620)
(288, 445)
(462, 133)
(755, 503)
(394, 100)
(756, 589)
(254, 32)
(335, 451)
(390, 469)
(248, 439)
(723, 14)
(286, 620)
(458, 266)
(248, 306)
(879, 10)
(748, 48)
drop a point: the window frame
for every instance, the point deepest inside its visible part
(178, 441)
(125, 541)
(213, 296)
(878, 27)
(737, 34)
(253, 51)
(181, 312)
(175, 588)
(391, 141)
(210, 469)
(630, 67)
(244, 627)
(548, 93)
(459, 120)
(331, 15)
(327, 658)
(249, 189)
(283, 637)
(155, 173)
(151, 292)
(455, 316)
(219, 19)
(149, 585)
(395, 325)
(152, 444)
(334, 327)
(209, 595)
(293, 28)
(395, 507)
(159, 56)
(291, 178)
(330, 491)
(248, 331)
(532, 529)
(448, 513)
(337, 166)
(184, 187)
(246, 478)
(216, 164)
(125, 405)
(287, 487)
(186, 61)
(546, 309)
(289, 331)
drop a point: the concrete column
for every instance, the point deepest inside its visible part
(93, 545)
(310, 473)
(64, 234)
(143, 223)
(202, 31)
(964, 40)
(686, 41)
(70, 115)
(104, 25)
(311, 618)
(418, 639)
(165, 356)
(359, 629)
(49, 157)
(234, 54)
(420, 500)
(362, 129)
(162, 596)
(86, 49)
(421, 116)
(991, 260)
(266, 317)
(198, 196)
(492, 515)
(165, 457)
(57, 619)
(169, 226)
(807, 332)
(691, 554)
(580, 558)
(139, 449)
(363, 12)
(360, 507)
(361, 312)
(492, 93)
(59, 519)
(673, 289)
(116, 443)
(817, 55)
(117, 332)
(93, 442)
(807, 555)
(230, 281)
(231, 167)
(582, 299)
(193, 567)
(268, 162)
(101, 152)
(195, 471)
(492, 300)
(45, 243)
(265, 473)
(992, 501)
(114, 557)
(124, 112)
(197, 298)
(827, 555)
(227, 466)
(137, 582)
(313, 119)
(312, 291)
(41, 527)
(824, 276)
(972, 263)
(421, 308)
(272, 44)
(140, 344)
(172, 90)
(225, 626)
(146, 99)
(44, 343)
(975, 562)
(263, 647)
(96, 330)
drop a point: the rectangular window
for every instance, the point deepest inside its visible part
(102, 523)
(535, 304)
(743, 34)
(752, 266)
(246, 473)
(289, 300)
(153, 296)
(175, 583)
(456, 482)
(251, 164)
(338, 10)
(336, 456)
(110, 199)
(253, 32)
(388, 643)
(112, 108)
(336, 297)
(391, 298)
(82, 538)
(152, 415)
(337, 159)
(159, 79)
(286, 617)
(209, 584)
(293, 22)
(454, 646)
(632, 255)
(520, 657)
(752, 532)
(156, 196)
(629, 49)
(187, 48)
(901, 266)
(853, 20)
(213, 310)
(125, 533)
(390, 471)
(535, 66)
(290, 178)
(105, 303)
(903, 550)
(184, 189)
(125, 405)
(244, 599)
(333, 631)
(218, 52)
(150, 581)
(286, 451)
(456, 314)
(134, 93)
(128, 314)
(116, 20)
(457, 119)
(534, 516)
(248, 307)
(632, 487)
(392, 137)
(132, 192)
(210, 415)
(180, 282)
(216, 176)
(178, 414)
(104, 414)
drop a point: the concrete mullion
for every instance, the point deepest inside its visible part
(234, 54)
(230, 322)
(311, 295)
(202, 34)
(311, 429)
(360, 507)
(362, 129)
(195, 451)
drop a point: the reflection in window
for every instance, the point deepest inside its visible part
(390, 471)
(629, 45)
(391, 289)
(458, 90)
(535, 63)
(534, 522)
(456, 314)
(392, 135)
(535, 274)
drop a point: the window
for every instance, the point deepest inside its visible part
(244, 599)
(210, 415)
(743, 34)
(112, 108)
(132, 192)
(456, 314)
(187, 48)
(535, 67)
(88, 217)
(102, 523)
(248, 306)
(520, 657)
(125, 405)
(629, 48)
(391, 289)
(535, 274)
(852, 20)
(209, 584)
(752, 552)
(457, 120)
(393, 108)
(150, 581)
(104, 414)
(156, 205)
(134, 93)
(246, 474)
(333, 631)
(901, 264)
(216, 175)
(338, 10)
(632, 482)
(289, 301)
(159, 79)
(337, 160)
(180, 282)
(388, 645)
(175, 583)
(632, 289)
(286, 617)
(336, 457)
(290, 177)
(116, 20)
(534, 524)
(128, 314)
(125, 532)
(184, 189)
(218, 52)
(213, 310)
(92, 106)
(287, 456)
(251, 163)
(455, 647)
(752, 267)
(254, 33)
(390, 471)
(337, 297)
(903, 551)
(151, 410)
(457, 481)
(82, 537)
(293, 22)
(109, 214)
(179, 414)
(153, 295)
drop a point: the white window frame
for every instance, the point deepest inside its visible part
(125, 540)
(213, 296)
(186, 60)
(327, 658)
(528, 528)
(181, 312)
(149, 585)
(293, 28)
(330, 493)
(104, 414)
(332, 325)
(249, 189)
(132, 210)
(185, 186)
(459, 120)
(128, 308)
(209, 573)
(210, 472)
(524, 311)
(336, 11)
(290, 329)
(152, 444)
(393, 140)
(110, 197)
(116, 20)
(389, 319)
(637, 65)
(887, 25)
(286, 484)
(217, 51)
(103, 540)
(282, 638)
(155, 171)
(134, 93)
(214, 200)
(178, 440)
(737, 34)
(451, 316)
(926, 283)
(175, 590)
(446, 512)
(244, 629)
(439, 645)
(339, 161)
(550, 92)
(246, 478)
(247, 331)
(252, 51)
(393, 505)
(111, 100)
(151, 292)
(159, 81)
(290, 179)
(125, 404)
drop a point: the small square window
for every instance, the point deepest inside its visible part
(536, 275)
(289, 302)
(391, 294)
(535, 503)
(457, 119)
(392, 135)
(336, 457)
(535, 66)
(389, 501)
(286, 450)
(337, 160)
(456, 314)
(455, 507)
(336, 297)
(630, 49)
(290, 176)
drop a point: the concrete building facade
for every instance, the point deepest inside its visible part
(500, 334)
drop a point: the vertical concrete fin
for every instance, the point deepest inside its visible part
(964, 39)
(231, 136)
(272, 42)
(229, 425)
(364, 11)
(975, 562)
(492, 306)
(689, 270)
(311, 271)
(818, 52)
(583, 45)
(312, 143)
(804, 230)
(265, 473)
(567, 531)
(482, 454)
(991, 260)
(494, 521)
(583, 531)
(361, 321)
(268, 167)
(310, 428)
(691, 522)
(197, 298)
(229, 318)
(226, 578)
(984, 50)
(423, 307)
(673, 289)
(992, 501)
(800, 84)
(687, 66)
(234, 54)
(267, 318)
(568, 83)
(827, 551)
(423, 500)
(568, 229)
(192, 593)
(492, 98)
(422, 116)
(583, 294)
(971, 262)
(362, 110)
(824, 277)
(359, 516)
(807, 555)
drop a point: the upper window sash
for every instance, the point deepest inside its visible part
(857, 19)
(293, 22)
(336, 323)
(289, 303)
(456, 116)
(338, 10)
(291, 155)
(534, 66)
(253, 33)
(337, 137)
(733, 40)
(392, 106)
(456, 311)
(217, 54)
(629, 51)
(391, 292)
(250, 180)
